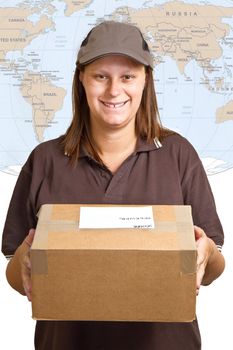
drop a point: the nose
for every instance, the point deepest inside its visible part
(114, 87)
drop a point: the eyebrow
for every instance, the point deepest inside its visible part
(106, 72)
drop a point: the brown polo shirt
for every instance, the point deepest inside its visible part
(170, 174)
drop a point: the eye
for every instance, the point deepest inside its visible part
(128, 77)
(100, 77)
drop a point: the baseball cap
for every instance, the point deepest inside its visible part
(115, 38)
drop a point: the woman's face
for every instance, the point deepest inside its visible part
(114, 86)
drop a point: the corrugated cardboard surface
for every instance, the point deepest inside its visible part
(114, 274)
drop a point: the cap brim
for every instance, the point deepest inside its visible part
(92, 56)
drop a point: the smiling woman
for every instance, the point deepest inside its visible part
(113, 73)
(114, 152)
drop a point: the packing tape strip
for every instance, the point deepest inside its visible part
(188, 262)
(39, 262)
(188, 257)
(39, 256)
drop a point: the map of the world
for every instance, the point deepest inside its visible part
(192, 45)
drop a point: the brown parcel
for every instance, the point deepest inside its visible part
(114, 274)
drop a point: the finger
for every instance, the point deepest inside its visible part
(198, 232)
(201, 260)
(201, 266)
(28, 290)
(26, 279)
(30, 237)
(27, 262)
(26, 275)
(200, 275)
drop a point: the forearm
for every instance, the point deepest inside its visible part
(215, 265)
(13, 270)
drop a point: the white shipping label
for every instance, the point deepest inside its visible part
(116, 217)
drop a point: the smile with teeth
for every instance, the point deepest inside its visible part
(114, 105)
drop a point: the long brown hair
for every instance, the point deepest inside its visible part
(147, 125)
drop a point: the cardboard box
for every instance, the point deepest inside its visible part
(126, 274)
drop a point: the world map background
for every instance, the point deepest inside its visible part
(189, 105)
(192, 45)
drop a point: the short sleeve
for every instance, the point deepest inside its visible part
(197, 193)
(20, 216)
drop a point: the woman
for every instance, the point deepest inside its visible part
(114, 152)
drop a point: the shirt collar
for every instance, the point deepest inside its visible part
(141, 146)
(144, 146)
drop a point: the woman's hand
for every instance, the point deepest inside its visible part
(26, 265)
(18, 270)
(210, 262)
(204, 251)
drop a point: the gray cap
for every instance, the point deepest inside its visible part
(114, 38)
